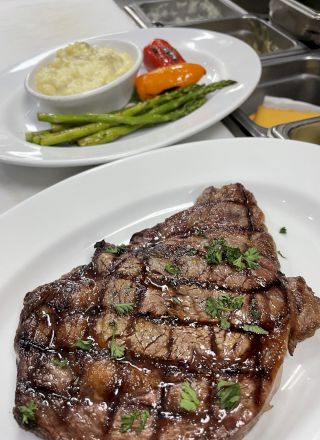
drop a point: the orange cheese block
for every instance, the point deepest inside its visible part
(268, 117)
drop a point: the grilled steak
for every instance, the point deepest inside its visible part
(180, 335)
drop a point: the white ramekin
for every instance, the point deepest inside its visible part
(109, 97)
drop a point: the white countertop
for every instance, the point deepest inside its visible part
(28, 27)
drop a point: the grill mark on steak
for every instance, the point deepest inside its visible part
(255, 342)
(166, 343)
(211, 368)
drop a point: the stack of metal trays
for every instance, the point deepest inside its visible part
(295, 77)
(259, 8)
(307, 130)
(290, 69)
(299, 17)
(224, 16)
(149, 13)
(266, 39)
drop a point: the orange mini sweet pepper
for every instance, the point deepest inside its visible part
(159, 80)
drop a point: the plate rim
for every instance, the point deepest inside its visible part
(160, 151)
(281, 146)
(50, 193)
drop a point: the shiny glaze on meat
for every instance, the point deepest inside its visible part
(169, 337)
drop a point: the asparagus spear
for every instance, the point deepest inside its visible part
(120, 117)
(35, 136)
(153, 103)
(156, 110)
(30, 135)
(108, 135)
(140, 107)
(113, 133)
(198, 93)
(70, 134)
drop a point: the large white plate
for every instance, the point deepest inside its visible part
(55, 230)
(223, 56)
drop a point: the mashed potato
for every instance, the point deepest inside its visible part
(79, 68)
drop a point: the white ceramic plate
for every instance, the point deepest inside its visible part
(224, 57)
(55, 230)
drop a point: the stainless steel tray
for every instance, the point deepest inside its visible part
(300, 20)
(256, 7)
(296, 77)
(149, 13)
(268, 40)
(307, 130)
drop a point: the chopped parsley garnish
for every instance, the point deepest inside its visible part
(238, 263)
(61, 363)
(172, 269)
(224, 323)
(281, 255)
(254, 329)
(116, 250)
(128, 420)
(283, 230)
(83, 345)
(218, 251)
(228, 394)
(191, 252)
(28, 412)
(251, 258)
(189, 399)
(254, 312)
(222, 306)
(123, 309)
(117, 350)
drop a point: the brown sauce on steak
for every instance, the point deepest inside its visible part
(168, 336)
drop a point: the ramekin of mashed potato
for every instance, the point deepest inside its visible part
(81, 67)
(86, 77)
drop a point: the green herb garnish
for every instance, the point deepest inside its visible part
(215, 251)
(224, 323)
(176, 300)
(117, 350)
(223, 303)
(191, 252)
(218, 251)
(238, 263)
(123, 309)
(116, 250)
(172, 269)
(251, 258)
(83, 345)
(232, 254)
(28, 412)
(255, 313)
(61, 363)
(222, 306)
(254, 329)
(281, 255)
(128, 420)
(228, 394)
(283, 230)
(189, 399)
